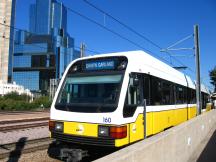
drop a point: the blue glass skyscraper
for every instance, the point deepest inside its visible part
(44, 52)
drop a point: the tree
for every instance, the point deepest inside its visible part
(212, 74)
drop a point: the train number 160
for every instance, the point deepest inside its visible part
(106, 120)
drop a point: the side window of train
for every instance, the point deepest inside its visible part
(133, 96)
(162, 92)
(181, 94)
(156, 91)
(189, 96)
(168, 93)
(193, 96)
(204, 100)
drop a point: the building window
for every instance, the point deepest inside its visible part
(39, 61)
(22, 61)
(29, 79)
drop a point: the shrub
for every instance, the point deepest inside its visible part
(13, 101)
(42, 101)
(15, 96)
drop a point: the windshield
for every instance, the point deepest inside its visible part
(90, 93)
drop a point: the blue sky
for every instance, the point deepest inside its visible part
(164, 22)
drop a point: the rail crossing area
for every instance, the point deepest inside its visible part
(24, 136)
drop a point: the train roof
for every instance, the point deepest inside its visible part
(140, 61)
(204, 89)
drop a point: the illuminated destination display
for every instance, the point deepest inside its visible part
(100, 65)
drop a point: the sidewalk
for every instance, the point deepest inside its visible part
(209, 152)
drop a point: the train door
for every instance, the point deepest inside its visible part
(138, 96)
(133, 103)
(134, 96)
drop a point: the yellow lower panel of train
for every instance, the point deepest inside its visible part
(155, 123)
(81, 129)
(208, 106)
(123, 141)
(158, 121)
(192, 111)
(165, 119)
(91, 130)
(137, 129)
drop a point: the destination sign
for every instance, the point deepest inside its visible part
(100, 65)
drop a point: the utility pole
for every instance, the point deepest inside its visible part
(82, 50)
(197, 60)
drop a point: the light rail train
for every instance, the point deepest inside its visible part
(113, 100)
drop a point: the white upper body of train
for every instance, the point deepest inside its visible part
(137, 62)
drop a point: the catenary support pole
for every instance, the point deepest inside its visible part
(197, 60)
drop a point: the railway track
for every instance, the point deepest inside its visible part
(12, 125)
(11, 151)
(23, 134)
(23, 146)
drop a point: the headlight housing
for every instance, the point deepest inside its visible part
(103, 131)
(59, 127)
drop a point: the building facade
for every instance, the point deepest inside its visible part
(7, 18)
(46, 49)
(6, 88)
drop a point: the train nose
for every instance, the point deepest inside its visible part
(81, 129)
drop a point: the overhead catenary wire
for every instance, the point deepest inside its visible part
(123, 24)
(115, 33)
(77, 46)
(180, 41)
(134, 31)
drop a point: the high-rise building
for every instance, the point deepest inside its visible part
(54, 15)
(45, 50)
(7, 18)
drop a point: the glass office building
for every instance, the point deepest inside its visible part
(44, 52)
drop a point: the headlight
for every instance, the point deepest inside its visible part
(103, 131)
(59, 127)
